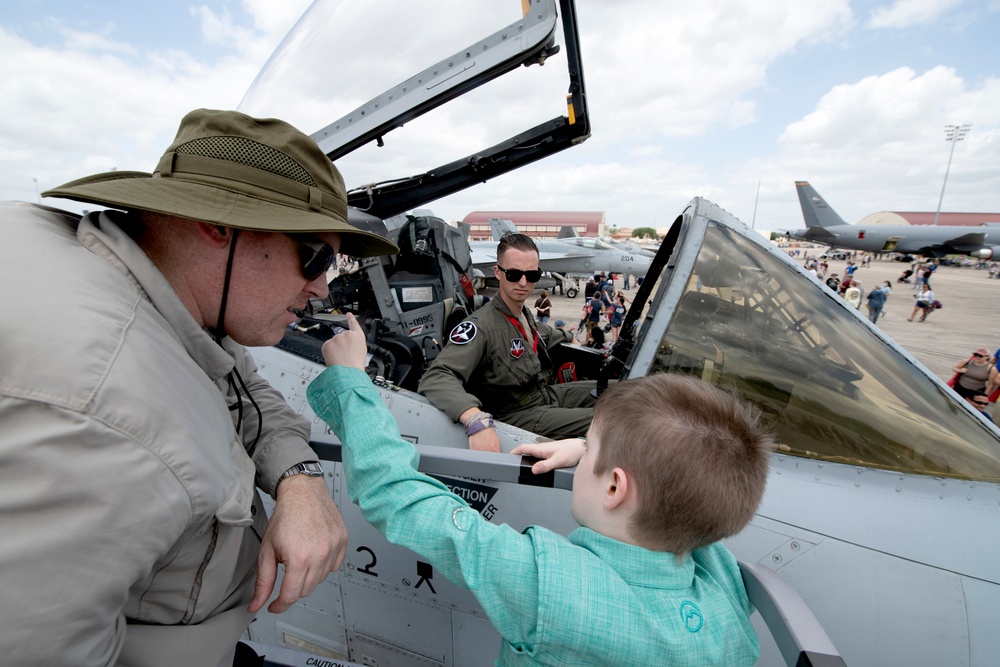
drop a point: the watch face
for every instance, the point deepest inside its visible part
(311, 468)
(307, 468)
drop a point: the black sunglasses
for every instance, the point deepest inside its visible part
(976, 354)
(514, 275)
(316, 257)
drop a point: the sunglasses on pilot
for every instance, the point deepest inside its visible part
(315, 256)
(514, 275)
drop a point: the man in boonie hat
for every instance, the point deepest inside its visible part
(135, 427)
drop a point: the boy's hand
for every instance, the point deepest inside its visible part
(347, 348)
(555, 454)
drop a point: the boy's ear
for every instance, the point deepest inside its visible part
(618, 490)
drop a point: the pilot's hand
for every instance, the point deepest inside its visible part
(307, 534)
(485, 441)
(347, 348)
(555, 454)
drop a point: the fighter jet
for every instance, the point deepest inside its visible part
(878, 524)
(569, 232)
(823, 225)
(565, 257)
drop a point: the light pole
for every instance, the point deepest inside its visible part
(953, 134)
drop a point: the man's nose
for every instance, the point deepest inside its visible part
(318, 286)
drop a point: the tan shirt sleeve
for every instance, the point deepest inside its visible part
(285, 438)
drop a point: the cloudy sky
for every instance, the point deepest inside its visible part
(719, 98)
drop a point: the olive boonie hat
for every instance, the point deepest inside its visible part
(229, 169)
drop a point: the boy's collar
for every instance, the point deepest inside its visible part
(636, 565)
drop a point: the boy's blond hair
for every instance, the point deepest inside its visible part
(697, 456)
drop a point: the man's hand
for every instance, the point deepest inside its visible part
(485, 441)
(307, 534)
(555, 454)
(347, 348)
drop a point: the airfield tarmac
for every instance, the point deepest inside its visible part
(969, 318)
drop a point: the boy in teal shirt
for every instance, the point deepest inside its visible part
(670, 466)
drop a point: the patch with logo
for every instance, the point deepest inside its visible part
(691, 615)
(463, 333)
(517, 348)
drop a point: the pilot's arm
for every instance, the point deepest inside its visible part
(479, 427)
(443, 383)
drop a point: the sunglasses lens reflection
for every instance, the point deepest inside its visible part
(315, 259)
(515, 275)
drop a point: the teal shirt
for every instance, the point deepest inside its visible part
(586, 600)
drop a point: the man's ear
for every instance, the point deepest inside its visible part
(617, 491)
(216, 235)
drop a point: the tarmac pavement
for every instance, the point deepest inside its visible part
(969, 318)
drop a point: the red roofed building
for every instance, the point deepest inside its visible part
(537, 224)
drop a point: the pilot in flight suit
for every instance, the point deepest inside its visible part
(492, 363)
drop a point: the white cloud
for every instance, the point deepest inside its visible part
(91, 100)
(882, 138)
(907, 13)
(680, 94)
(692, 65)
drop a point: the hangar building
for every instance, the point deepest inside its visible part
(537, 224)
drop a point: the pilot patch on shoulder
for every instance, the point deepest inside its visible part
(463, 333)
(516, 348)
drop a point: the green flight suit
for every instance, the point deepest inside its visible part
(489, 362)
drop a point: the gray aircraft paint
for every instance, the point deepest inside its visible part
(578, 255)
(823, 225)
(898, 566)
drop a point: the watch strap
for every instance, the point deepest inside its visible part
(307, 468)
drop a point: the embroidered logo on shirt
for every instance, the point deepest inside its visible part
(463, 333)
(691, 615)
(516, 348)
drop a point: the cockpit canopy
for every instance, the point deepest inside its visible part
(735, 312)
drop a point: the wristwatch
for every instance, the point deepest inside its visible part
(307, 468)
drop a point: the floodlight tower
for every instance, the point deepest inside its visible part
(952, 134)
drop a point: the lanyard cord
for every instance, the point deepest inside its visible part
(220, 331)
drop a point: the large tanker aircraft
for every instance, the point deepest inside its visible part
(823, 225)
